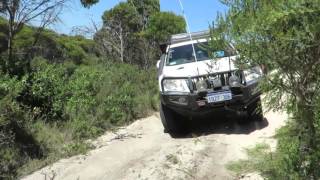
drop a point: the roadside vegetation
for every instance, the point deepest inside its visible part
(57, 91)
(283, 37)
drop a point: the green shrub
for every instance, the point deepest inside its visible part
(285, 162)
(63, 95)
(47, 89)
(103, 97)
(81, 106)
(48, 114)
(55, 142)
(90, 98)
(12, 119)
(76, 48)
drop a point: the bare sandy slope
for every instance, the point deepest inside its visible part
(143, 151)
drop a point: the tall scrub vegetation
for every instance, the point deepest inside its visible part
(57, 91)
(283, 37)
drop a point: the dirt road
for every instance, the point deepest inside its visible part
(143, 151)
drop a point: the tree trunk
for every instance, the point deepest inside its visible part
(10, 44)
(121, 44)
(9, 62)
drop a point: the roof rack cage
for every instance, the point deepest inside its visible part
(186, 36)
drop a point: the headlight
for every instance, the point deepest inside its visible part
(234, 81)
(252, 74)
(175, 85)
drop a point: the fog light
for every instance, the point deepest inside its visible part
(202, 85)
(179, 100)
(183, 100)
(216, 82)
(201, 103)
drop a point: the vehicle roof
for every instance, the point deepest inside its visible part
(182, 43)
(183, 37)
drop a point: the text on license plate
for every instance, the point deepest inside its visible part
(218, 97)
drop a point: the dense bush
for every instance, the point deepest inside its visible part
(12, 119)
(46, 94)
(284, 163)
(76, 48)
(91, 98)
(58, 106)
(31, 42)
(290, 160)
(56, 92)
(283, 37)
(103, 97)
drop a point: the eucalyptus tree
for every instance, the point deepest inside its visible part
(132, 31)
(145, 8)
(119, 25)
(163, 24)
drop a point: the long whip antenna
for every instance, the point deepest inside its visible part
(188, 29)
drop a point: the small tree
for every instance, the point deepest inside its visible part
(160, 27)
(119, 25)
(163, 24)
(132, 31)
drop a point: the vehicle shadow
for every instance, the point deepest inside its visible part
(219, 125)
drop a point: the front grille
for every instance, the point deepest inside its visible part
(222, 77)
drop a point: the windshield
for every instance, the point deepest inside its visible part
(184, 54)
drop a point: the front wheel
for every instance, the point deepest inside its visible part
(255, 112)
(171, 121)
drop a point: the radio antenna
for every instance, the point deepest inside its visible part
(188, 31)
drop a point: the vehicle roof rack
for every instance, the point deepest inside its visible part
(177, 38)
(186, 36)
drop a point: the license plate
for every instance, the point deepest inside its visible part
(219, 97)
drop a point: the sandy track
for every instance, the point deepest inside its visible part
(143, 151)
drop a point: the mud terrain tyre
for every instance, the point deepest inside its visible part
(255, 112)
(171, 121)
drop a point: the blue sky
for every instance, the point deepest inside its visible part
(200, 13)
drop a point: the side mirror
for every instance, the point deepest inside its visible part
(163, 48)
(158, 64)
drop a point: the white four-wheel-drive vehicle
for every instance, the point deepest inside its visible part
(192, 84)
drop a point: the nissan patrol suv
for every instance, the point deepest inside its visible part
(194, 85)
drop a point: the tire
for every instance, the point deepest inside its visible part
(171, 121)
(255, 112)
(243, 119)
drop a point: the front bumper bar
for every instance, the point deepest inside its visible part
(194, 104)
